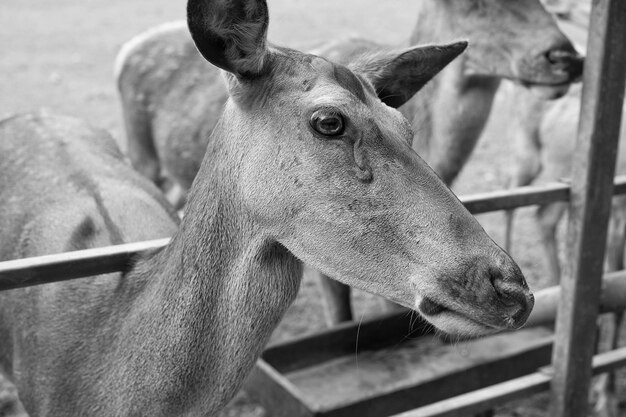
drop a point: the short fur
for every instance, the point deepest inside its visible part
(178, 333)
(545, 143)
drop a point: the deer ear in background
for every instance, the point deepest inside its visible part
(397, 76)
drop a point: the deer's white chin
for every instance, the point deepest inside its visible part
(452, 322)
(549, 92)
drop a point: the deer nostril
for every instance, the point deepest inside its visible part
(429, 307)
(566, 60)
(522, 314)
(510, 294)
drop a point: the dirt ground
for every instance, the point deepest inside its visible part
(59, 55)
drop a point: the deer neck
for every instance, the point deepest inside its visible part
(450, 112)
(212, 299)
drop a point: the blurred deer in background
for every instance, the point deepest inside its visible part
(171, 98)
(544, 136)
(545, 141)
(178, 332)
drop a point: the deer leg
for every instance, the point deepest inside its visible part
(527, 162)
(10, 405)
(174, 192)
(508, 229)
(139, 140)
(548, 217)
(604, 398)
(144, 155)
(616, 236)
(336, 297)
(508, 220)
(525, 175)
(606, 402)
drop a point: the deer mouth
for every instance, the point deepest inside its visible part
(431, 308)
(453, 321)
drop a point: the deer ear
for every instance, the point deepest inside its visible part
(230, 34)
(398, 76)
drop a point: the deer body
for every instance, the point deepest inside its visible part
(510, 40)
(545, 140)
(169, 110)
(178, 333)
(126, 340)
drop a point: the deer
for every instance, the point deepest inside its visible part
(544, 134)
(158, 71)
(544, 137)
(177, 333)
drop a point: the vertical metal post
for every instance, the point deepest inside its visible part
(592, 187)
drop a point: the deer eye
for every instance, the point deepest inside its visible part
(327, 122)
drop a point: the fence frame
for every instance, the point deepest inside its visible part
(590, 207)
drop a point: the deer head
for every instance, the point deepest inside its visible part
(325, 169)
(514, 39)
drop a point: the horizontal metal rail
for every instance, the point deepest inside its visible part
(526, 196)
(612, 299)
(79, 264)
(495, 395)
(71, 265)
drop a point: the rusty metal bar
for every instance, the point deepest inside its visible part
(71, 265)
(526, 196)
(517, 197)
(590, 204)
(547, 300)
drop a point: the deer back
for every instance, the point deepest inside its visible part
(171, 100)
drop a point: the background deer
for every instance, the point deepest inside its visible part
(167, 91)
(177, 334)
(545, 140)
(544, 136)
